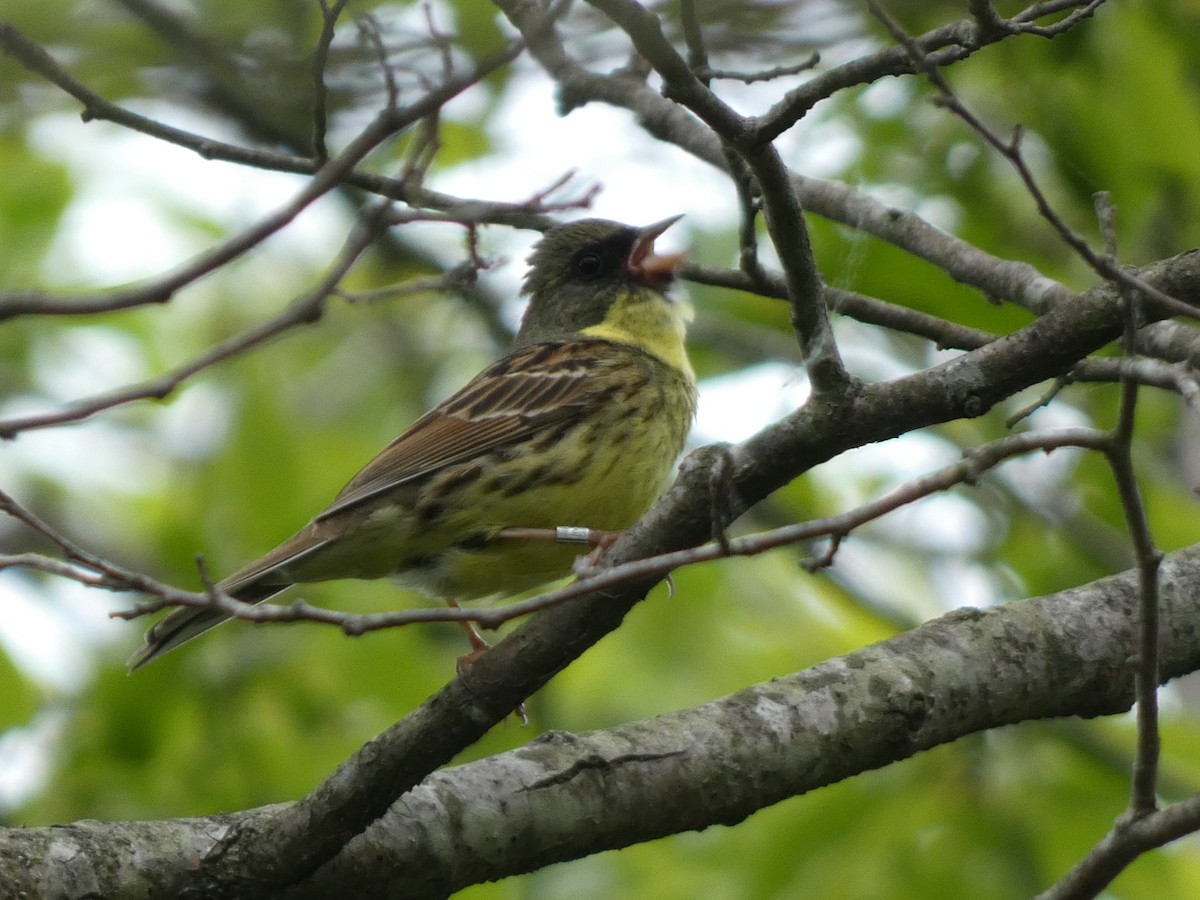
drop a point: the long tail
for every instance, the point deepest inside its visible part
(255, 583)
(183, 624)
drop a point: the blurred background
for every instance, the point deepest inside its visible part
(245, 452)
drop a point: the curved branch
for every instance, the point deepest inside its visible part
(943, 46)
(567, 796)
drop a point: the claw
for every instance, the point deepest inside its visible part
(479, 646)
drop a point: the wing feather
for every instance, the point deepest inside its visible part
(537, 387)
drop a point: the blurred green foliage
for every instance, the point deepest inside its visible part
(246, 453)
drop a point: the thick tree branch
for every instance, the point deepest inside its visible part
(570, 795)
(930, 686)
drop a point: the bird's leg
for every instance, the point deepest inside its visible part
(564, 534)
(598, 540)
(478, 647)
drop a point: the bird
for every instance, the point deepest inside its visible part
(575, 431)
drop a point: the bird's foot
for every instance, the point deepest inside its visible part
(479, 646)
(599, 541)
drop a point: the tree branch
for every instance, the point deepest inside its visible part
(781, 203)
(965, 672)
(943, 46)
(331, 175)
(301, 311)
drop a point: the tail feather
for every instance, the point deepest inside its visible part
(183, 624)
(255, 583)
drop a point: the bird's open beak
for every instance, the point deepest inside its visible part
(643, 264)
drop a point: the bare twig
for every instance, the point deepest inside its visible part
(425, 144)
(1125, 842)
(1024, 22)
(1056, 387)
(368, 32)
(305, 309)
(454, 279)
(51, 566)
(848, 303)
(813, 60)
(327, 177)
(823, 560)
(719, 488)
(749, 206)
(1143, 791)
(320, 61)
(81, 565)
(694, 37)
(941, 47)
(989, 21)
(1143, 798)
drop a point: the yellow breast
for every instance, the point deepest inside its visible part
(646, 319)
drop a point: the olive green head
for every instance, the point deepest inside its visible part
(578, 271)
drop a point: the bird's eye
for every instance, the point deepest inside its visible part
(588, 265)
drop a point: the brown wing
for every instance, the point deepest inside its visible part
(508, 402)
